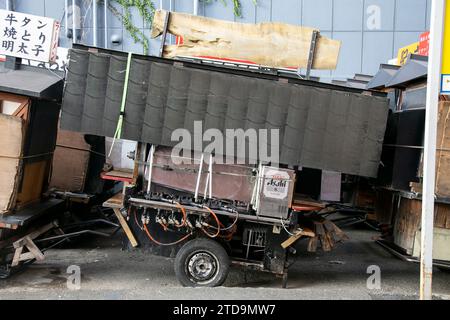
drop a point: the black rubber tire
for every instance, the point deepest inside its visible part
(205, 247)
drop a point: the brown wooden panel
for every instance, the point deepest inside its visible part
(70, 162)
(11, 145)
(32, 183)
(408, 221)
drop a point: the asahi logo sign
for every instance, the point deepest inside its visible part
(276, 184)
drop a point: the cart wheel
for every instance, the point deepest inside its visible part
(202, 263)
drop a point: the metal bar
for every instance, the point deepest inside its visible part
(150, 169)
(105, 16)
(195, 5)
(312, 53)
(9, 5)
(164, 35)
(66, 16)
(199, 176)
(206, 186)
(210, 175)
(94, 22)
(74, 29)
(431, 117)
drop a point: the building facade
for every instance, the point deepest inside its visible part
(371, 31)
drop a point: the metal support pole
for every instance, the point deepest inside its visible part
(105, 17)
(429, 170)
(210, 175)
(195, 7)
(66, 16)
(74, 28)
(312, 53)
(94, 22)
(150, 169)
(199, 176)
(164, 35)
(9, 5)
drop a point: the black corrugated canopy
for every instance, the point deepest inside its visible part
(321, 126)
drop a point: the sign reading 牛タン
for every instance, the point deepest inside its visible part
(27, 36)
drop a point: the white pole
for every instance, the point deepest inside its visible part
(199, 176)
(195, 7)
(429, 169)
(66, 15)
(74, 28)
(105, 17)
(150, 169)
(210, 175)
(94, 22)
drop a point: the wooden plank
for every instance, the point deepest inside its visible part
(312, 244)
(291, 240)
(31, 246)
(16, 257)
(114, 202)
(33, 235)
(125, 227)
(270, 43)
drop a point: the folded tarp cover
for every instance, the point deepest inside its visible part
(320, 126)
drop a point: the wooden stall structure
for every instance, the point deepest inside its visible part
(399, 205)
(29, 111)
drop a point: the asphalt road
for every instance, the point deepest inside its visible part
(107, 272)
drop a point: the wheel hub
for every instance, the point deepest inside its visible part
(202, 266)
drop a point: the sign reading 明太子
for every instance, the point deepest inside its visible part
(445, 87)
(27, 36)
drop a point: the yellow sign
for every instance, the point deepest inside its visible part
(403, 53)
(445, 88)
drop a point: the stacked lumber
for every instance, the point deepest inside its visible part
(327, 235)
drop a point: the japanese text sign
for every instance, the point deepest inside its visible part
(27, 36)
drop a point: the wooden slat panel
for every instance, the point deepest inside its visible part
(271, 44)
(443, 155)
(11, 142)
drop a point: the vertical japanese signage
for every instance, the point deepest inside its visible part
(424, 44)
(27, 36)
(445, 87)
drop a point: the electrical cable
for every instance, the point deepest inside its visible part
(230, 226)
(217, 221)
(136, 220)
(285, 229)
(165, 244)
(183, 223)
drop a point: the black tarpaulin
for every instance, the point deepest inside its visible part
(320, 128)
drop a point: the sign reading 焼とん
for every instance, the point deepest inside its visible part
(27, 36)
(445, 87)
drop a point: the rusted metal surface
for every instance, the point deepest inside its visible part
(228, 181)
